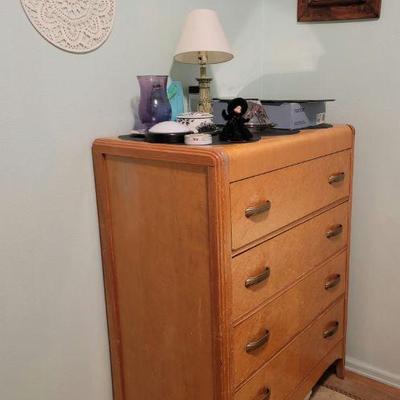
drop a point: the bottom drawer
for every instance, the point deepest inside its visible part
(301, 391)
(276, 379)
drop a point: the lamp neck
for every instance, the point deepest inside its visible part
(204, 84)
(203, 71)
(202, 57)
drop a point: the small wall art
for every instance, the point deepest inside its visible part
(77, 26)
(336, 10)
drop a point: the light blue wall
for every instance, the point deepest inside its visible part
(358, 64)
(53, 342)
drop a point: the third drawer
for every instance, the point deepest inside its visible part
(259, 337)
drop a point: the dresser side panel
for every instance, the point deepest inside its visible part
(159, 222)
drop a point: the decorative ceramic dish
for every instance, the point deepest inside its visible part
(167, 132)
(197, 122)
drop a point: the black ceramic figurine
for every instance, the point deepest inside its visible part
(235, 129)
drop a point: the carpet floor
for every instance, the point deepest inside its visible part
(323, 393)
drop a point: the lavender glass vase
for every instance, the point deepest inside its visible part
(154, 105)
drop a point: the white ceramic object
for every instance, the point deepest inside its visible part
(169, 127)
(198, 139)
(77, 26)
(195, 120)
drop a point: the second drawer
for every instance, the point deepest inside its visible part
(259, 337)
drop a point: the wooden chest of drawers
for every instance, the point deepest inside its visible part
(225, 267)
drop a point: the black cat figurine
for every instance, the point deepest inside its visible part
(235, 129)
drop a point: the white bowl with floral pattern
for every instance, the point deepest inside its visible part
(197, 121)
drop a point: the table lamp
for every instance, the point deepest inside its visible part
(203, 42)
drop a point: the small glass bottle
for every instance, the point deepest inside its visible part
(193, 99)
(175, 97)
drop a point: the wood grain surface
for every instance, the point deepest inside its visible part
(162, 243)
(293, 192)
(289, 367)
(334, 10)
(289, 256)
(286, 316)
(178, 312)
(359, 386)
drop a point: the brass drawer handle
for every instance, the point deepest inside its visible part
(259, 209)
(255, 280)
(266, 393)
(332, 282)
(331, 331)
(252, 346)
(334, 231)
(336, 178)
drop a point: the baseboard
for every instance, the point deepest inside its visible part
(371, 372)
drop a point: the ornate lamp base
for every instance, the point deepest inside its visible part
(204, 94)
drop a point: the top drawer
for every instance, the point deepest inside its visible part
(265, 203)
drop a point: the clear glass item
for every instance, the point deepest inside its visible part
(154, 106)
(175, 97)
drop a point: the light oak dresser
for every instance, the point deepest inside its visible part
(226, 267)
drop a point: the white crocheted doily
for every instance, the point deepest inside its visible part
(77, 26)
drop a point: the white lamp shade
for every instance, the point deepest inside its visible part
(203, 32)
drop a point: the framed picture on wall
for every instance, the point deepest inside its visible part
(336, 10)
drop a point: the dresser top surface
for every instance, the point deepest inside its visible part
(245, 159)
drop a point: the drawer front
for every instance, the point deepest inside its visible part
(288, 368)
(265, 203)
(263, 271)
(262, 335)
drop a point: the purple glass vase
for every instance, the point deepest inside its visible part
(154, 105)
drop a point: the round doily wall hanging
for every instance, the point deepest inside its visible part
(78, 26)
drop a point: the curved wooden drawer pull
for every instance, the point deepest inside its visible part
(259, 209)
(332, 281)
(336, 178)
(266, 394)
(332, 330)
(252, 346)
(255, 280)
(334, 231)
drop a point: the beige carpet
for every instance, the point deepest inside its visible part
(323, 393)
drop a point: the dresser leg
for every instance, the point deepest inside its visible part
(340, 371)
